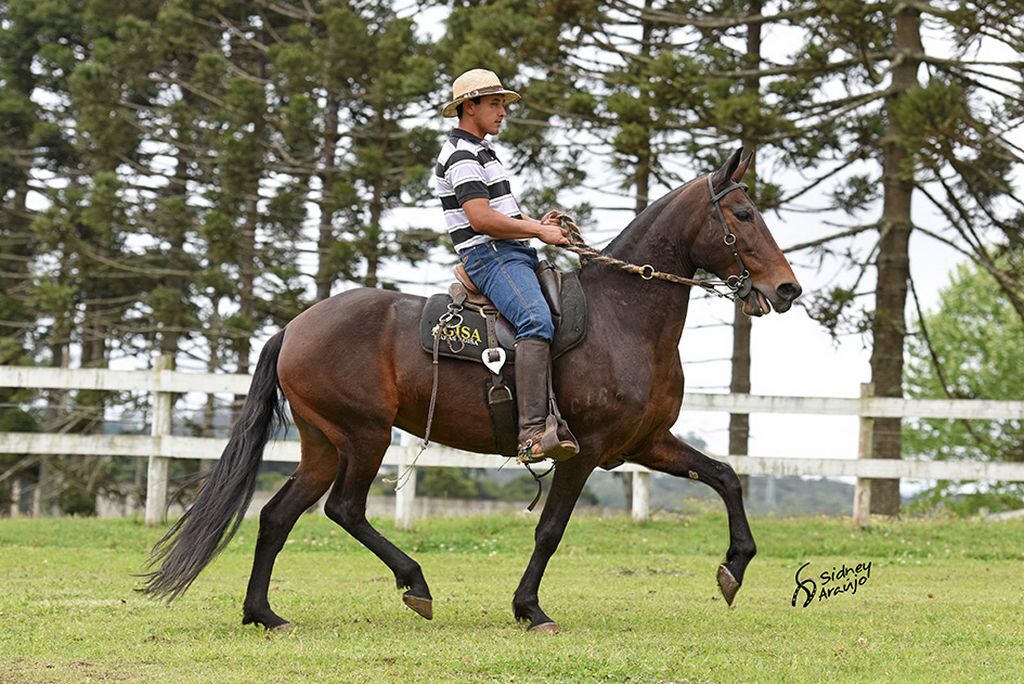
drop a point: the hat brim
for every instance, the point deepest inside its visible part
(449, 109)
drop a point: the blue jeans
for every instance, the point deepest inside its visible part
(504, 271)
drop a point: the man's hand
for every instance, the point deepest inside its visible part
(551, 229)
(551, 233)
(497, 225)
(551, 218)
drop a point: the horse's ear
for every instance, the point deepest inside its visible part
(742, 168)
(724, 175)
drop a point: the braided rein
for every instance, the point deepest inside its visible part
(734, 283)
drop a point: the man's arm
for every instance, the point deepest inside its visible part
(490, 222)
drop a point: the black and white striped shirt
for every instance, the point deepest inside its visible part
(467, 168)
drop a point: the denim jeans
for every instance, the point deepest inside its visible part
(504, 271)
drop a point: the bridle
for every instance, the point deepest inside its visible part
(738, 286)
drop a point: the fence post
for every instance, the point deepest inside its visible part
(16, 497)
(405, 495)
(41, 503)
(862, 490)
(156, 473)
(641, 496)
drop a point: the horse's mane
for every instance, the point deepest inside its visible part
(642, 220)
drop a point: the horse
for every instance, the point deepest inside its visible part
(351, 367)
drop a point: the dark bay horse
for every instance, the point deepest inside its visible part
(351, 367)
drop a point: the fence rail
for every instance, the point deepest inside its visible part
(874, 407)
(161, 446)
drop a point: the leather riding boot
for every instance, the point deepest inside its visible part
(538, 428)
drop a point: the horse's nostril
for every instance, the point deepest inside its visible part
(789, 291)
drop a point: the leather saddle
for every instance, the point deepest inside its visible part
(469, 336)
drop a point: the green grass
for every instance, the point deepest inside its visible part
(636, 602)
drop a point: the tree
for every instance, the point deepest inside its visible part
(352, 79)
(971, 347)
(66, 69)
(942, 140)
(161, 162)
(847, 104)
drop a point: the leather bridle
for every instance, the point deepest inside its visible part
(740, 285)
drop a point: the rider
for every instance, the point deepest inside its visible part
(491, 236)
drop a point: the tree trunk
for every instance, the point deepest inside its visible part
(324, 273)
(888, 327)
(247, 278)
(214, 365)
(642, 170)
(374, 236)
(171, 333)
(642, 183)
(15, 317)
(739, 423)
(248, 248)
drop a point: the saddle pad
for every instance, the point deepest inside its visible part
(469, 338)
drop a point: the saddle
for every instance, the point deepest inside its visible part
(468, 340)
(464, 324)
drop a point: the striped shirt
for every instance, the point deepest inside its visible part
(467, 168)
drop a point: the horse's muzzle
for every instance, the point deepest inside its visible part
(785, 294)
(759, 303)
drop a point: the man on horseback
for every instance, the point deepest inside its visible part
(490, 234)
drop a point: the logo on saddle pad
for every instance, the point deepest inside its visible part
(461, 333)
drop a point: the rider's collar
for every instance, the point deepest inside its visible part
(466, 135)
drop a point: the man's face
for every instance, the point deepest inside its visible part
(487, 115)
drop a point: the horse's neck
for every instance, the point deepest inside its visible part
(656, 309)
(663, 234)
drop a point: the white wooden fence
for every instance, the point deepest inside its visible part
(161, 445)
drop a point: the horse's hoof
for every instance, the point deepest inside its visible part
(422, 606)
(283, 628)
(269, 621)
(545, 628)
(727, 583)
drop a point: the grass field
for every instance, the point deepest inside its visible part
(944, 602)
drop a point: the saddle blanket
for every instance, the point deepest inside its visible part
(468, 339)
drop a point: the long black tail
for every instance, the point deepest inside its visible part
(210, 523)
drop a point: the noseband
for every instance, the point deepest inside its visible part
(739, 284)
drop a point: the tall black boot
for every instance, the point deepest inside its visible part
(538, 428)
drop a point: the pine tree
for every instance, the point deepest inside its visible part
(968, 348)
(936, 127)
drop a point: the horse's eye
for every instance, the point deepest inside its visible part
(743, 215)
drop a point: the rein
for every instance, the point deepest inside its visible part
(738, 285)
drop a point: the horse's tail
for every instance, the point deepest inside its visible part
(210, 523)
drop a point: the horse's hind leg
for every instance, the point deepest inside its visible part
(673, 456)
(314, 475)
(346, 505)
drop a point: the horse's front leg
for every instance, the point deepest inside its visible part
(676, 457)
(566, 485)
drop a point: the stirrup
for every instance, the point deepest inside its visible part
(550, 445)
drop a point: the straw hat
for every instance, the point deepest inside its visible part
(475, 83)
